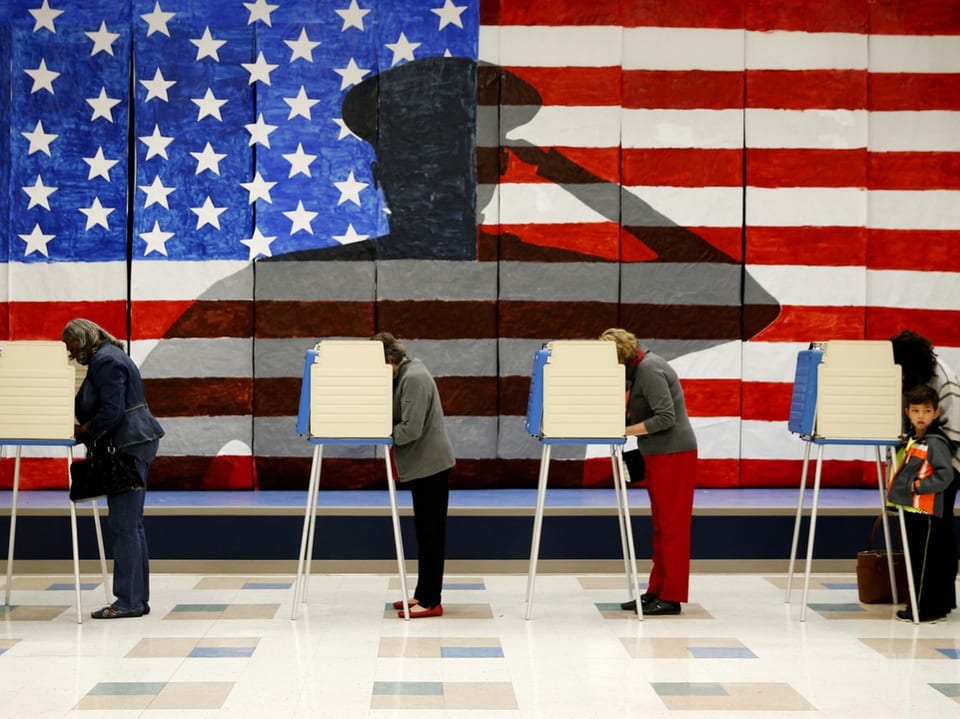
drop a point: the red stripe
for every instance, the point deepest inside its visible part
(820, 16)
(766, 401)
(808, 324)
(591, 239)
(939, 326)
(806, 168)
(914, 170)
(807, 246)
(914, 17)
(682, 89)
(898, 250)
(558, 12)
(806, 89)
(46, 320)
(600, 164)
(569, 87)
(786, 473)
(712, 397)
(683, 167)
(690, 13)
(914, 91)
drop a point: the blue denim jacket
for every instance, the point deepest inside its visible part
(111, 402)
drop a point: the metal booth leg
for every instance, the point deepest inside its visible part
(306, 538)
(13, 522)
(537, 524)
(626, 527)
(397, 536)
(797, 520)
(886, 526)
(813, 531)
(911, 587)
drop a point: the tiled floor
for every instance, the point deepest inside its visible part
(225, 646)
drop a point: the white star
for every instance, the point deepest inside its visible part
(402, 49)
(350, 190)
(344, 130)
(156, 143)
(207, 46)
(36, 241)
(102, 40)
(300, 105)
(260, 132)
(259, 70)
(350, 236)
(260, 10)
(156, 239)
(208, 160)
(42, 78)
(449, 14)
(299, 162)
(39, 194)
(99, 165)
(39, 140)
(351, 74)
(158, 86)
(209, 105)
(352, 16)
(156, 193)
(96, 214)
(300, 219)
(43, 17)
(157, 20)
(102, 105)
(208, 213)
(258, 188)
(258, 244)
(302, 47)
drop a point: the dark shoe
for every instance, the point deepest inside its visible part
(146, 609)
(410, 603)
(645, 601)
(417, 611)
(661, 607)
(116, 613)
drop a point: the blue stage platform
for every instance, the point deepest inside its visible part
(752, 527)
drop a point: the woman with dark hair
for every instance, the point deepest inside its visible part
(111, 410)
(424, 457)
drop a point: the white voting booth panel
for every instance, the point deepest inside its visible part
(583, 390)
(856, 400)
(351, 389)
(37, 387)
(858, 391)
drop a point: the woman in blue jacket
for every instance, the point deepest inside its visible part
(111, 409)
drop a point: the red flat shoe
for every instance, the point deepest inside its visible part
(410, 603)
(435, 611)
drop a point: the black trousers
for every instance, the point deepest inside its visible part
(933, 557)
(430, 498)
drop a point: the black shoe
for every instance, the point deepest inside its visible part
(645, 601)
(661, 607)
(146, 609)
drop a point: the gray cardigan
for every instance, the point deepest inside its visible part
(421, 445)
(656, 399)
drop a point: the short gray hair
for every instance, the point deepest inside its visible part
(393, 349)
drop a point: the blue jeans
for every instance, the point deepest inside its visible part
(131, 561)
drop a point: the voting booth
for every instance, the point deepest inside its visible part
(37, 387)
(577, 397)
(845, 392)
(346, 397)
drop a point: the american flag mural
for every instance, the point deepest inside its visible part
(224, 183)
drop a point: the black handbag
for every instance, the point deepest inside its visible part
(103, 473)
(633, 460)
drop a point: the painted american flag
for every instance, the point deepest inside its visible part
(730, 180)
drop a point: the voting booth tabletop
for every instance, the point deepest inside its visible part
(354, 533)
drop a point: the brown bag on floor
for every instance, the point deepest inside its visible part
(873, 575)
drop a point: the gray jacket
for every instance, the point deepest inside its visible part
(656, 399)
(421, 445)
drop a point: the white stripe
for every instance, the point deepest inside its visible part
(826, 129)
(718, 362)
(914, 210)
(694, 206)
(162, 280)
(771, 361)
(806, 207)
(60, 281)
(556, 126)
(926, 131)
(542, 203)
(913, 289)
(813, 286)
(783, 50)
(581, 46)
(772, 440)
(713, 129)
(664, 48)
(717, 437)
(915, 53)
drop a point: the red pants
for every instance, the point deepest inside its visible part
(670, 480)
